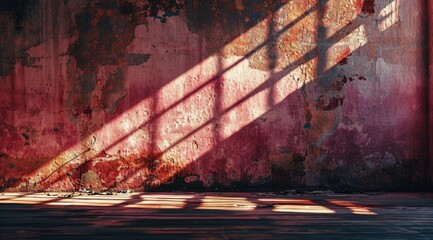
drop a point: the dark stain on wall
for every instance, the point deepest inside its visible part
(163, 9)
(136, 58)
(404, 175)
(333, 103)
(220, 21)
(84, 85)
(344, 57)
(113, 91)
(368, 7)
(104, 32)
(289, 170)
(13, 16)
(17, 9)
(365, 7)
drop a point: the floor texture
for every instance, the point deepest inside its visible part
(312, 215)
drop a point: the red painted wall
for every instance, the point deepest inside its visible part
(213, 94)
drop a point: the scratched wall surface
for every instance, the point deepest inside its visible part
(213, 94)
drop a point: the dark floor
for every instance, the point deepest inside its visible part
(314, 215)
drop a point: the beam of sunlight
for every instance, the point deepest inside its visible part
(161, 201)
(293, 208)
(226, 203)
(86, 202)
(296, 206)
(94, 200)
(389, 15)
(358, 36)
(168, 196)
(355, 208)
(10, 195)
(240, 110)
(65, 199)
(27, 199)
(171, 98)
(287, 201)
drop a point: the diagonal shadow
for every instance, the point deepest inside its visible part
(243, 137)
(324, 77)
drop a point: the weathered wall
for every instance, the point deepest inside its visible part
(213, 94)
(430, 88)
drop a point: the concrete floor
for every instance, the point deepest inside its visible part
(315, 215)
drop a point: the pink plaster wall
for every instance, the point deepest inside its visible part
(430, 89)
(213, 95)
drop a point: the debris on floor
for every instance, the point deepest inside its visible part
(87, 192)
(125, 191)
(63, 194)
